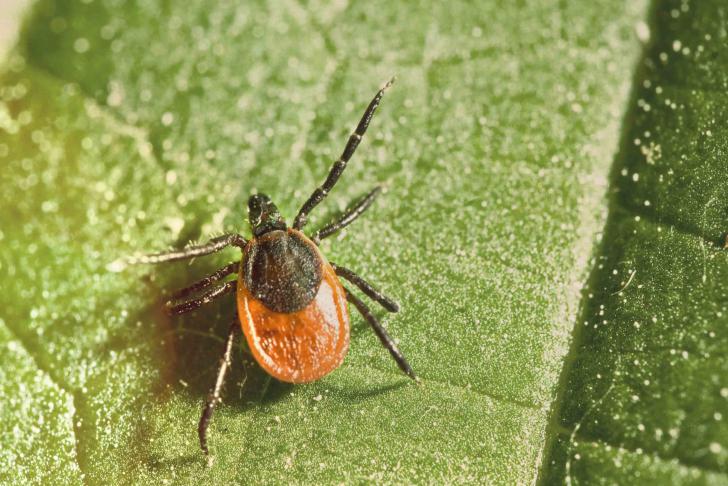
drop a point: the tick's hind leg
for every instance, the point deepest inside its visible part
(381, 333)
(214, 397)
(205, 298)
(351, 213)
(212, 246)
(367, 288)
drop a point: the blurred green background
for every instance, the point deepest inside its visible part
(553, 225)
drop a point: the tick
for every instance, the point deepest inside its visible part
(291, 304)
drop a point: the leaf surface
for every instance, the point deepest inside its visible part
(134, 128)
(645, 394)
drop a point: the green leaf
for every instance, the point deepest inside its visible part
(40, 408)
(645, 397)
(132, 128)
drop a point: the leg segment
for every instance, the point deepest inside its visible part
(348, 217)
(381, 333)
(367, 288)
(212, 246)
(320, 193)
(205, 298)
(206, 281)
(214, 397)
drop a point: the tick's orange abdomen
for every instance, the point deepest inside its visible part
(301, 346)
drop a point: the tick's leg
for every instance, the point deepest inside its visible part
(320, 193)
(214, 397)
(367, 288)
(348, 217)
(212, 246)
(381, 333)
(206, 281)
(205, 298)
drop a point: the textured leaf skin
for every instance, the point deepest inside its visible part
(146, 126)
(645, 395)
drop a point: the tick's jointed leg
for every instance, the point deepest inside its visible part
(351, 213)
(205, 298)
(367, 288)
(214, 397)
(320, 193)
(381, 333)
(212, 246)
(205, 282)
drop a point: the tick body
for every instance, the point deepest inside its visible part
(292, 308)
(291, 304)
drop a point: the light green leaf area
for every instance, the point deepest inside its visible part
(40, 407)
(134, 128)
(646, 395)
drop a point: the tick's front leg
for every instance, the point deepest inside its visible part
(212, 246)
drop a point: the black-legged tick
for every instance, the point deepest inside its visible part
(291, 304)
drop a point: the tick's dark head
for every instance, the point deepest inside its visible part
(264, 215)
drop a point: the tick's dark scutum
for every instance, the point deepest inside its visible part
(283, 270)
